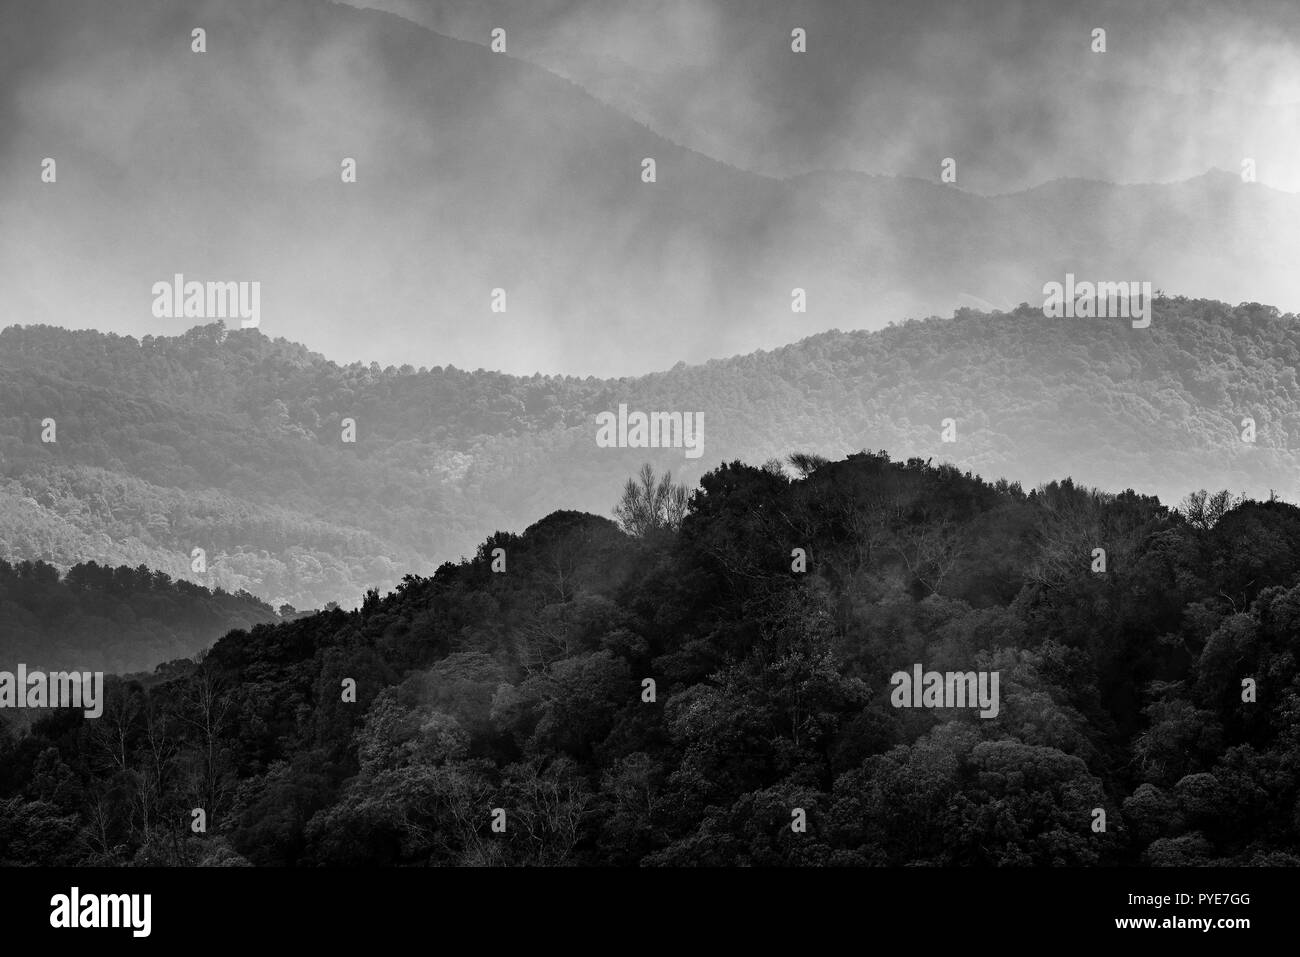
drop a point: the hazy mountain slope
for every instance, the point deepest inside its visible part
(234, 444)
(888, 87)
(479, 171)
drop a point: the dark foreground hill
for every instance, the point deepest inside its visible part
(233, 443)
(690, 696)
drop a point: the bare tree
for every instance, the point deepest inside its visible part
(99, 813)
(650, 505)
(931, 551)
(550, 809)
(206, 709)
(111, 735)
(1203, 510)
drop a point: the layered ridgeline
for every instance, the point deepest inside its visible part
(478, 171)
(233, 443)
(684, 697)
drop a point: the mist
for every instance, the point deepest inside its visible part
(522, 171)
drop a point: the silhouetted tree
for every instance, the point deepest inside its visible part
(650, 505)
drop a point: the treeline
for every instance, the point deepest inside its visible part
(232, 442)
(1158, 688)
(119, 620)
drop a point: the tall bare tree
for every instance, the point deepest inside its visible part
(649, 504)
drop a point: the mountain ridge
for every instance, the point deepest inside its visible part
(480, 172)
(231, 441)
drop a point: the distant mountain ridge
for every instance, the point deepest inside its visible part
(479, 172)
(232, 442)
(888, 88)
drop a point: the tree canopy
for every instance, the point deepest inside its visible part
(674, 699)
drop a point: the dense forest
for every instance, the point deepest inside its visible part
(517, 680)
(95, 618)
(232, 442)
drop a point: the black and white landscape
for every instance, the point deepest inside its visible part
(592, 432)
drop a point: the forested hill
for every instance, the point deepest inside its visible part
(519, 680)
(232, 442)
(96, 618)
